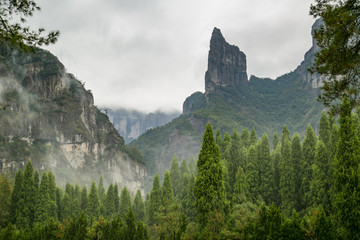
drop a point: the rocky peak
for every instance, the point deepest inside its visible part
(226, 64)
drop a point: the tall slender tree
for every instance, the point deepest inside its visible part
(297, 159)
(93, 206)
(125, 202)
(266, 186)
(155, 200)
(253, 137)
(139, 207)
(167, 193)
(209, 190)
(175, 176)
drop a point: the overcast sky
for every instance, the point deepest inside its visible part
(152, 54)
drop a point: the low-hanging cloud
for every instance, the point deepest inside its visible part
(150, 55)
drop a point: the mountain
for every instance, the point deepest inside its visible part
(131, 124)
(50, 118)
(231, 101)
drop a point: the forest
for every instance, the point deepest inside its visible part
(240, 188)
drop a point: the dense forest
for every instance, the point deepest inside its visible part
(240, 188)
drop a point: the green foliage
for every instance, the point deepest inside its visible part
(5, 200)
(209, 190)
(139, 207)
(125, 203)
(252, 174)
(109, 202)
(93, 205)
(175, 176)
(266, 186)
(155, 200)
(167, 190)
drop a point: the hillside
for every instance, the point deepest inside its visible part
(50, 118)
(231, 101)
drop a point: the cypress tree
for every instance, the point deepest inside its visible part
(187, 197)
(252, 174)
(275, 140)
(324, 129)
(84, 199)
(166, 189)
(175, 176)
(184, 169)
(52, 186)
(218, 138)
(233, 159)
(117, 198)
(93, 206)
(245, 138)
(241, 188)
(43, 205)
(109, 203)
(139, 207)
(125, 203)
(265, 170)
(155, 200)
(36, 181)
(5, 199)
(67, 202)
(253, 137)
(287, 179)
(101, 194)
(346, 175)
(309, 150)
(209, 190)
(76, 200)
(285, 135)
(192, 165)
(16, 196)
(275, 162)
(297, 159)
(59, 203)
(225, 144)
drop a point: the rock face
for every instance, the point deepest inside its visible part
(131, 124)
(51, 120)
(226, 64)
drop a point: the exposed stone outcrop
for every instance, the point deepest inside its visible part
(226, 64)
(54, 118)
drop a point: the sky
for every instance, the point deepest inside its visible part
(151, 55)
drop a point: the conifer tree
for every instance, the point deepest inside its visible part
(266, 186)
(334, 140)
(16, 196)
(43, 204)
(5, 199)
(233, 159)
(245, 138)
(252, 174)
(187, 197)
(218, 138)
(101, 194)
(275, 162)
(84, 199)
(324, 129)
(155, 200)
(184, 169)
(346, 175)
(275, 140)
(175, 176)
(309, 150)
(28, 199)
(192, 165)
(93, 206)
(166, 189)
(59, 203)
(287, 179)
(297, 159)
(117, 198)
(76, 200)
(241, 188)
(139, 207)
(320, 185)
(109, 203)
(253, 137)
(209, 190)
(52, 186)
(285, 135)
(125, 202)
(36, 181)
(67, 202)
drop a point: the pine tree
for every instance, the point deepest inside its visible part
(209, 190)
(297, 159)
(192, 165)
(16, 196)
(275, 140)
(43, 204)
(93, 206)
(102, 195)
(308, 146)
(155, 200)
(266, 186)
(241, 188)
(218, 138)
(324, 129)
(67, 202)
(125, 203)
(245, 138)
(166, 189)
(253, 137)
(275, 162)
(187, 197)
(233, 159)
(139, 207)
(117, 198)
(59, 203)
(109, 203)
(175, 176)
(225, 144)
(53, 212)
(346, 175)
(252, 174)
(287, 179)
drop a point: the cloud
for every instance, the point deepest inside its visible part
(152, 54)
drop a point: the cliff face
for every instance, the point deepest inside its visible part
(226, 64)
(51, 119)
(131, 124)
